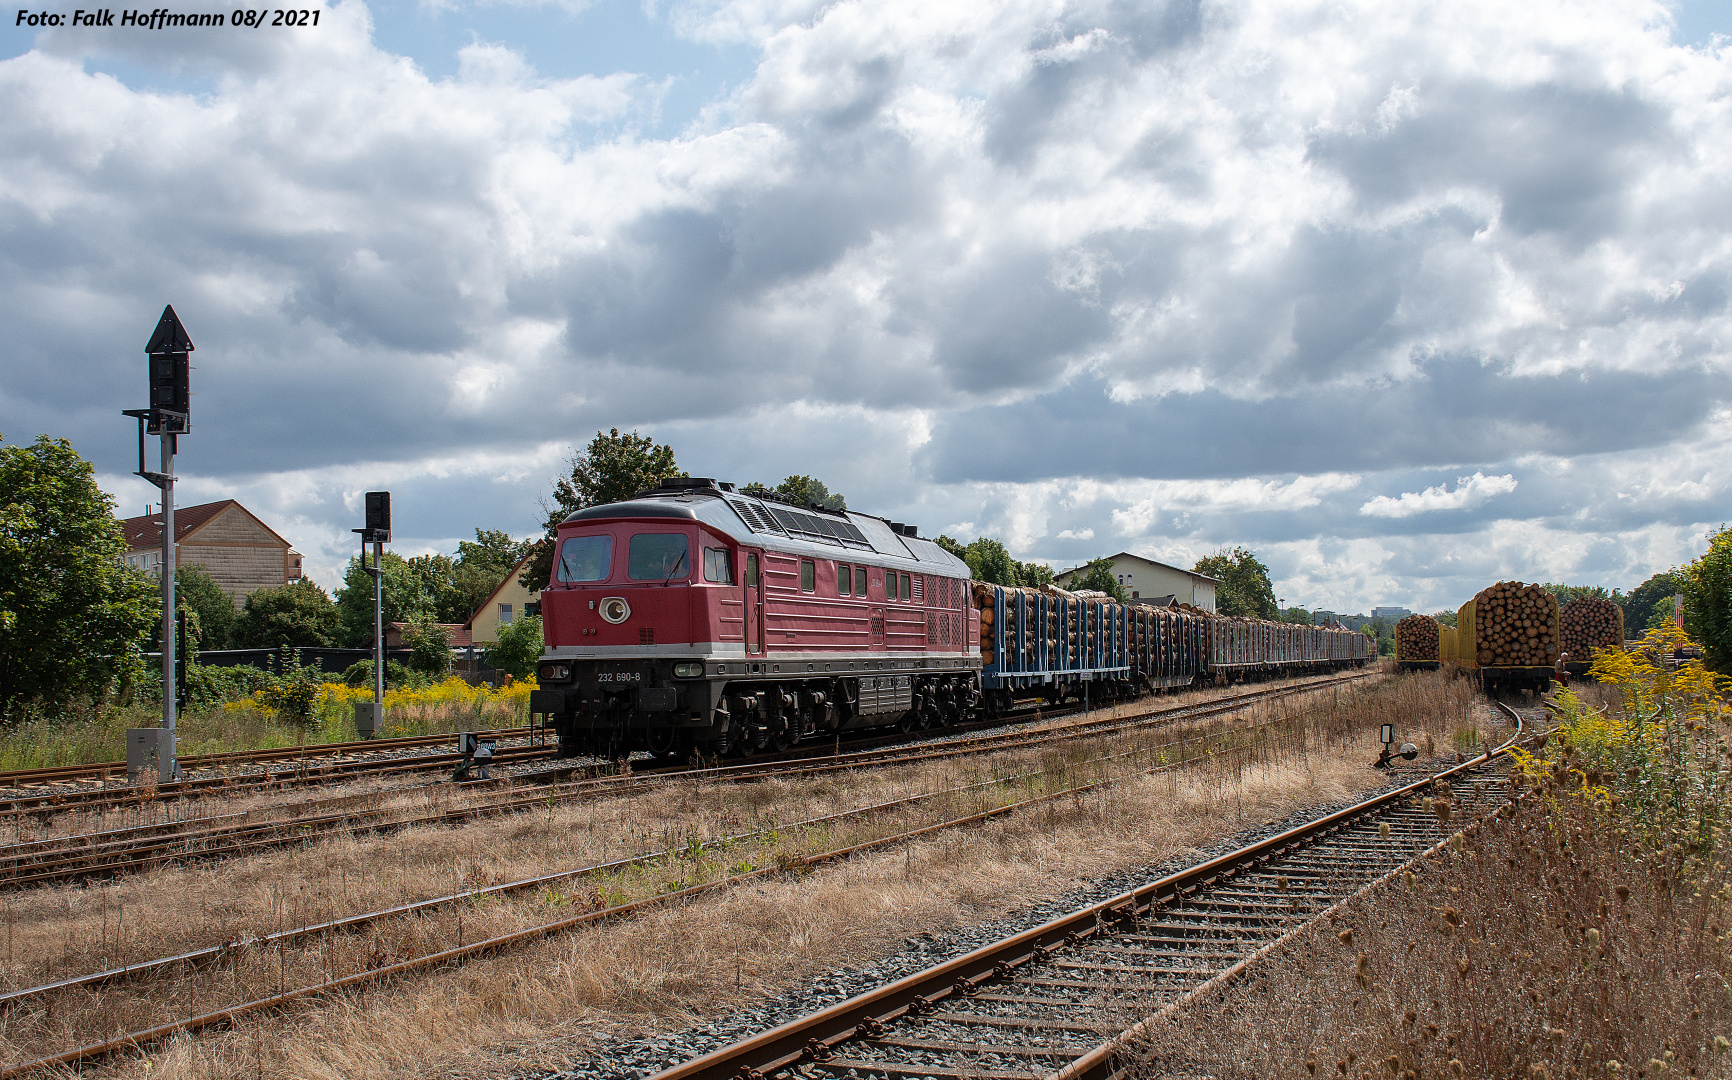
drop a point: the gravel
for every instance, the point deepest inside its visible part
(626, 1059)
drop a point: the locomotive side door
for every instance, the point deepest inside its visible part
(754, 605)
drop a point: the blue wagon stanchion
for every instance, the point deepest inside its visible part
(1049, 644)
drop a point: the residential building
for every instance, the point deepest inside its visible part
(506, 605)
(1148, 579)
(224, 539)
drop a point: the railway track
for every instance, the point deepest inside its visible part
(1033, 1004)
(102, 771)
(299, 937)
(58, 790)
(113, 852)
(281, 771)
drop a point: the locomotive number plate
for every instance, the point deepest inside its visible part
(619, 677)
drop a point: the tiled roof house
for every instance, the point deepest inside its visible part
(225, 539)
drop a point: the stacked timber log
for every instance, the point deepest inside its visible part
(982, 595)
(1588, 623)
(1416, 638)
(1516, 625)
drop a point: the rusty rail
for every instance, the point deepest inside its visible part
(814, 1038)
(491, 945)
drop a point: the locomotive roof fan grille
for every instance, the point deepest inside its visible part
(800, 524)
(615, 610)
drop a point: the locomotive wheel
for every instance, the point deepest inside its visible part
(783, 740)
(662, 742)
(909, 722)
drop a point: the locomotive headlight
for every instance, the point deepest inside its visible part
(615, 610)
(555, 672)
(688, 671)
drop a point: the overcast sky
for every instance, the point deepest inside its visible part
(1406, 298)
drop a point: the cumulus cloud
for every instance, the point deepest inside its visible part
(1178, 273)
(1470, 491)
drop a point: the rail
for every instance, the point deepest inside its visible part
(815, 1040)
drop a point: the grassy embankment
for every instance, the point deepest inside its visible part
(708, 956)
(83, 732)
(1581, 932)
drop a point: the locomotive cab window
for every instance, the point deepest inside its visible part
(586, 558)
(718, 566)
(859, 581)
(843, 579)
(659, 557)
(808, 575)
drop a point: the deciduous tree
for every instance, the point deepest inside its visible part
(1650, 603)
(405, 599)
(611, 469)
(72, 616)
(216, 613)
(800, 491)
(518, 648)
(988, 560)
(1707, 587)
(1097, 574)
(429, 648)
(1245, 589)
(299, 613)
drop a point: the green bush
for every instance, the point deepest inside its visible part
(518, 648)
(360, 673)
(429, 648)
(294, 692)
(208, 687)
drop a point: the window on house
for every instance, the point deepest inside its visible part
(844, 577)
(808, 575)
(504, 614)
(718, 566)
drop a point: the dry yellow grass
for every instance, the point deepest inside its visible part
(666, 967)
(1548, 945)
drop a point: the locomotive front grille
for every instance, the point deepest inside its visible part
(646, 635)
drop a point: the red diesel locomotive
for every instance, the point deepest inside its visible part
(693, 618)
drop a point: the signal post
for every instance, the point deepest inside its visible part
(169, 417)
(377, 533)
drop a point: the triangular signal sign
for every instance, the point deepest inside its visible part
(170, 335)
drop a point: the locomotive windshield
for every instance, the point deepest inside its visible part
(586, 558)
(659, 557)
